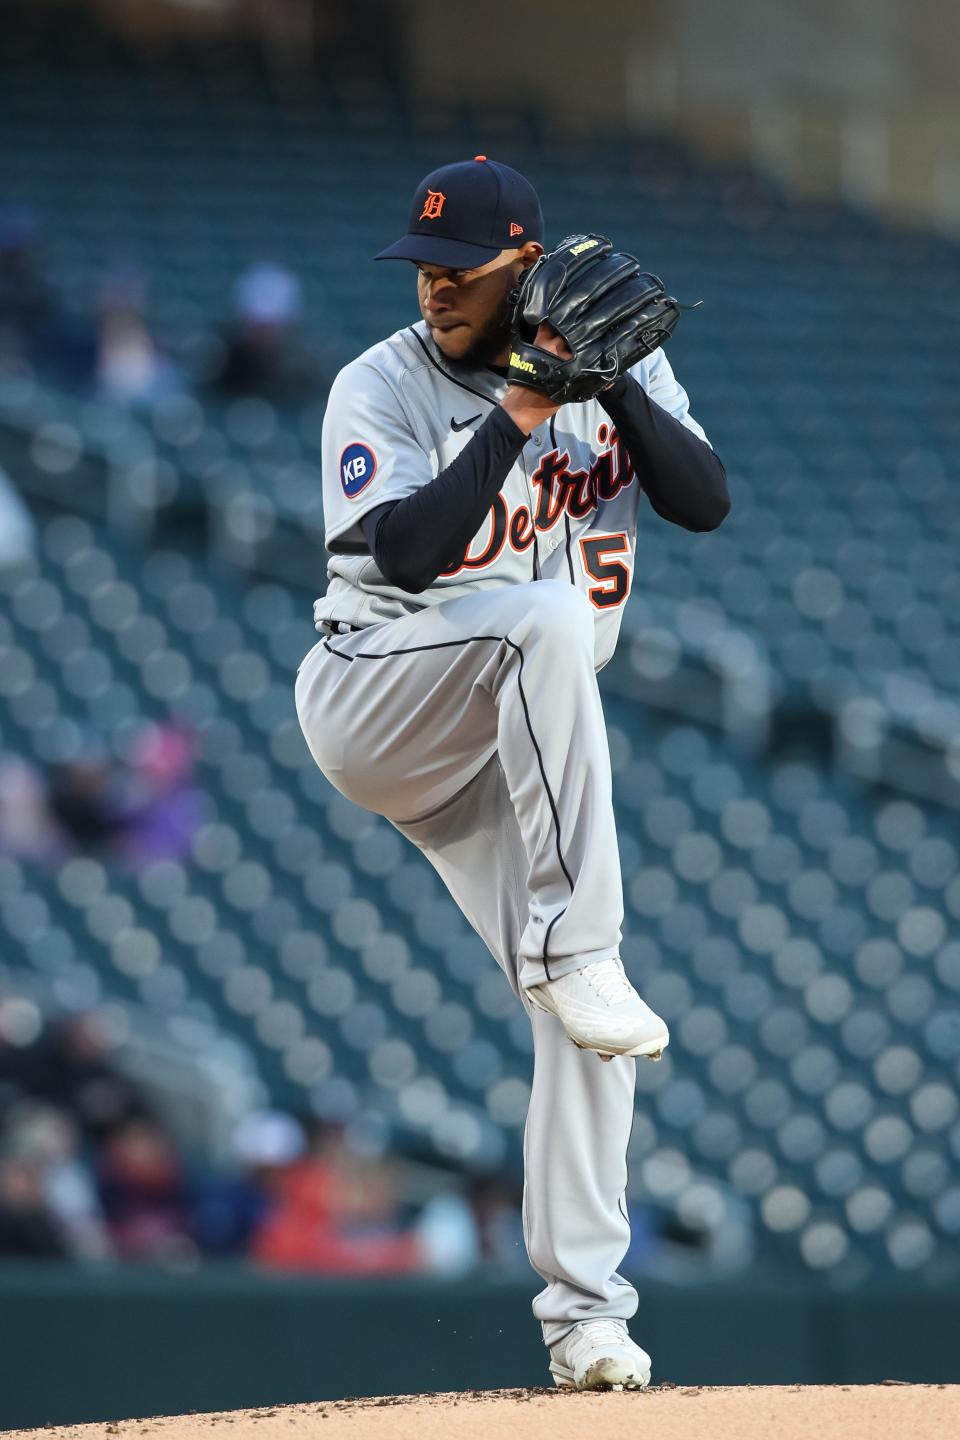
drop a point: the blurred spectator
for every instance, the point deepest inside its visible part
(496, 1204)
(47, 1141)
(264, 351)
(28, 1230)
(27, 827)
(87, 803)
(335, 1211)
(87, 1172)
(145, 811)
(28, 305)
(72, 1066)
(232, 1206)
(130, 367)
(20, 1024)
(140, 812)
(144, 1194)
(118, 354)
(35, 330)
(481, 1227)
(713, 1231)
(447, 1234)
(166, 804)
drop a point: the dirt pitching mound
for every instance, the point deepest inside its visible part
(723, 1412)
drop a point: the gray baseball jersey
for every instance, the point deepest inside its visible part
(471, 718)
(399, 414)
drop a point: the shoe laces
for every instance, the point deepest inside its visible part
(609, 980)
(600, 1332)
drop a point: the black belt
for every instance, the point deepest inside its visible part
(338, 627)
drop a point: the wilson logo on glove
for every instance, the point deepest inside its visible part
(518, 364)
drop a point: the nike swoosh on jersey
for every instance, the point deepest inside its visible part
(462, 424)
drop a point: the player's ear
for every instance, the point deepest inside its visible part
(527, 255)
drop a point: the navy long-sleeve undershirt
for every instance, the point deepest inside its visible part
(683, 479)
(414, 539)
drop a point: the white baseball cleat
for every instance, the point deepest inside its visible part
(600, 1010)
(599, 1355)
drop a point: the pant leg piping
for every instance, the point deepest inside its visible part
(555, 814)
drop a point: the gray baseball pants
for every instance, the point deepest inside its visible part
(475, 726)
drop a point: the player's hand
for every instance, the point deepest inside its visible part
(549, 339)
(529, 408)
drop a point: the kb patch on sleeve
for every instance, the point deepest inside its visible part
(358, 465)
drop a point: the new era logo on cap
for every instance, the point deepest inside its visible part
(464, 214)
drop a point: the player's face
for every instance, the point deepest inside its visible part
(467, 310)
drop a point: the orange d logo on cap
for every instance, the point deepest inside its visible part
(433, 205)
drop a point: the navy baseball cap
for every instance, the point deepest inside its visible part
(464, 214)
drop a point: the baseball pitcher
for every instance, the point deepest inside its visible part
(483, 472)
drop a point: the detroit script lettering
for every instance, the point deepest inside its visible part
(557, 489)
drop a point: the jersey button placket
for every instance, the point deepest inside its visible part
(525, 465)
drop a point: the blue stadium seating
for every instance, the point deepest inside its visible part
(796, 929)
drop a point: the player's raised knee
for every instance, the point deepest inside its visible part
(560, 612)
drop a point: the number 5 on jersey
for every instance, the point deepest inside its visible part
(613, 576)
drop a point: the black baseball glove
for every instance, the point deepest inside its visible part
(609, 311)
